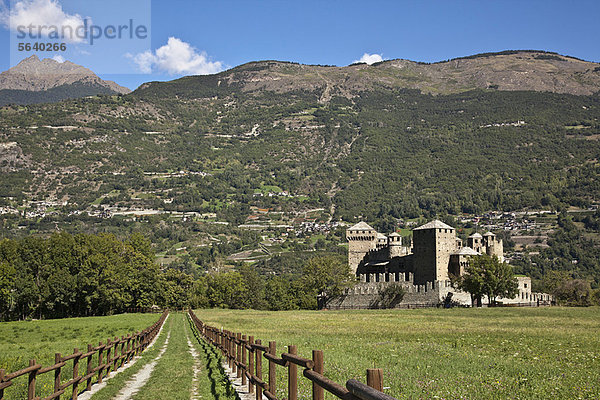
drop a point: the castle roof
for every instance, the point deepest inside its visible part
(488, 234)
(394, 234)
(467, 251)
(362, 226)
(476, 236)
(436, 224)
(381, 236)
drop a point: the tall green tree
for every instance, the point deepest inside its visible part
(486, 275)
(325, 276)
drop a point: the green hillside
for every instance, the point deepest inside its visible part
(396, 140)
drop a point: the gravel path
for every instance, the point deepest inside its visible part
(197, 368)
(139, 380)
(95, 388)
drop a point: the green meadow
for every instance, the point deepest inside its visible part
(502, 353)
(40, 340)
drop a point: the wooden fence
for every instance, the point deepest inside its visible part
(145, 310)
(245, 355)
(117, 351)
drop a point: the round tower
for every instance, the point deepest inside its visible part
(361, 239)
(493, 246)
(475, 241)
(395, 245)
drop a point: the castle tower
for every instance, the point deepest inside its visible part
(395, 245)
(493, 246)
(432, 245)
(361, 239)
(460, 260)
(475, 241)
(382, 241)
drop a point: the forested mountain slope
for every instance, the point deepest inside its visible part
(354, 136)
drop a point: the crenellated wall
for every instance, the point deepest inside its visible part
(369, 294)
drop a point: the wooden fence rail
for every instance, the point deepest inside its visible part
(117, 351)
(244, 355)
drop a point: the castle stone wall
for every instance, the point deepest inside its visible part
(368, 295)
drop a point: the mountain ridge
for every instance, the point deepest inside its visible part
(508, 70)
(29, 81)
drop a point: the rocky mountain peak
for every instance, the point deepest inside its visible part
(34, 66)
(33, 74)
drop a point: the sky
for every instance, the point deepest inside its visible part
(174, 38)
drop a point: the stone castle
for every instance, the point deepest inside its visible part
(422, 268)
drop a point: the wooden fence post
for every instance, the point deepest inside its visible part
(317, 355)
(100, 351)
(108, 348)
(57, 359)
(250, 363)
(244, 360)
(375, 378)
(89, 367)
(230, 350)
(272, 369)
(258, 371)
(2, 373)
(75, 374)
(31, 384)
(128, 348)
(115, 356)
(221, 340)
(238, 354)
(122, 351)
(292, 376)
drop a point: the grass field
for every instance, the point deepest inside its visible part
(24, 340)
(525, 353)
(176, 374)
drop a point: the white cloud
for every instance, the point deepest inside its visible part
(45, 16)
(369, 58)
(59, 58)
(177, 58)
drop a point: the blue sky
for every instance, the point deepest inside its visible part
(190, 37)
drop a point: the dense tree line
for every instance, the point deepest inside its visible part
(68, 275)
(77, 275)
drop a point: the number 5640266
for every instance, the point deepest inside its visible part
(41, 46)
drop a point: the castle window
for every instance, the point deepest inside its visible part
(525, 285)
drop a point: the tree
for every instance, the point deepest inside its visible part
(574, 292)
(278, 294)
(254, 288)
(500, 280)
(391, 296)
(472, 281)
(552, 280)
(7, 276)
(486, 275)
(226, 290)
(327, 276)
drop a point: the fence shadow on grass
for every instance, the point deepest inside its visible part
(215, 371)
